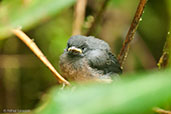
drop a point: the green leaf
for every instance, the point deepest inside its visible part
(16, 13)
(133, 95)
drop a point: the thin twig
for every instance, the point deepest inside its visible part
(22, 36)
(165, 59)
(130, 35)
(98, 17)
(79, 16)
(161, 111)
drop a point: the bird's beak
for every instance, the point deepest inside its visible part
(75, 50)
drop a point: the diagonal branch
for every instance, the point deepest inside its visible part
(165, 59)
(79, 16)
(22, 36)
(130, 35)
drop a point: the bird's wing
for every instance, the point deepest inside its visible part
(103, 60)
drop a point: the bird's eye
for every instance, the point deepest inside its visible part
(82, 48)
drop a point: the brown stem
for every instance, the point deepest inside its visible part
(22, 36)
(98, 17)
(130, 35)
(79, 16)
(165, 59)
(161, 111)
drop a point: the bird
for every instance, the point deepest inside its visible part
(87, 58)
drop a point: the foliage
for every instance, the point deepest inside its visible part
(17, 14)
(23, 79)
(133, 95)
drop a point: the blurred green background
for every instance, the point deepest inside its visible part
(24, 79)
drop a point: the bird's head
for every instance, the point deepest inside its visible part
(77, 46)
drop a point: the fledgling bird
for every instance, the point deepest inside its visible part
(87, 59)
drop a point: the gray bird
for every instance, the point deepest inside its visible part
(87, 59)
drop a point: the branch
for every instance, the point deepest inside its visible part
(22, 36)
(130, 35)
(79, 16)
(161, 111)
(165, 59)
(98, 17)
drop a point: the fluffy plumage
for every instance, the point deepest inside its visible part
(88, 58)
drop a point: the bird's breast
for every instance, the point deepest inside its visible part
(76, 69)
